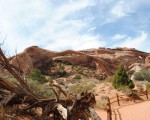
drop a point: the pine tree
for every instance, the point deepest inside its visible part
(121, 78)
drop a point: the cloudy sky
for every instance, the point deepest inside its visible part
(74, 24)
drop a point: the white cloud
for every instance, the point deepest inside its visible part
(124, 8)
(138, 42)
(72, 6)
(70, 25)
(112, 10)
(19, 17)
(76, 42)
(118, 9)
(118, 37)
(21, 22)
(91, 29)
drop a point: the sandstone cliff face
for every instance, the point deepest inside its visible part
(23, 61)
(125, 56)
(76, 60)
(103, 60)
(147, 62)
(41, 59)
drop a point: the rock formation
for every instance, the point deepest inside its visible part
(103, 60)
(147, 62)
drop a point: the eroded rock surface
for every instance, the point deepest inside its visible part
(103, 60)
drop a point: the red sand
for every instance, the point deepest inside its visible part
(139, 111)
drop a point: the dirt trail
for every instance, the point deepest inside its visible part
(102, 114)
(139, 111)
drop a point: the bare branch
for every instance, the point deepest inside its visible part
(57, 96)
(61, 90)
(5, 62)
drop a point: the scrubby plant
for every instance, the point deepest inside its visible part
(142, 75)
(126, 90)
(59, 69)
(11, 79)
(148, 86)
(122, 79)
(36, 75)
(78, 88)
(77, 77)
(109, 79)
(102, 103)
(40, 89)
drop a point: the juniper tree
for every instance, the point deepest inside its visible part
(121, 78)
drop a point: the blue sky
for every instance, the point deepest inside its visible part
(74, 24)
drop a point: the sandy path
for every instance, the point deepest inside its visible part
(139, 111)
(101, 113)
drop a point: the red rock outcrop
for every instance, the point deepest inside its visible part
(23, 61)
(147, 62)
(103, 60)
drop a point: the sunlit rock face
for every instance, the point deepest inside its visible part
(147, 62)
(102, 60)
(23, 61)
(135, 67)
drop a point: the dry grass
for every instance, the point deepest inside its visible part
(102, 103)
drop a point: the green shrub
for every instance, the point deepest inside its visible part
(77, 77)
(36, 75)
(102, 103)
(140, 86)
(121, 79)
(142, 75)
(78, 88)
(12, 79)
(148, 86)
(59, 69)
(125, 89)
(40, 89)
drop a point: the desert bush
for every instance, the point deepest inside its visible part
(11, 79)
(77, 77)
(36, 75)
(121, 79)
(102, 103)
(109, 79)
(78, 88)
(142, 75)
(50, 79)
(141, 86)
(125, 89)
(59, 69)
(40, 89)
(148, 86)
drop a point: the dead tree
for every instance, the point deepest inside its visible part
(69, 108)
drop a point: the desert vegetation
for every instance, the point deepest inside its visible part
(36, 75)
(121, 79)
(29, 94)
(143, 75)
